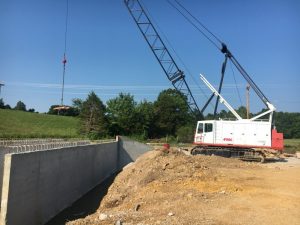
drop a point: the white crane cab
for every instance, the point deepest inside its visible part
(239, 134)
(240, 137)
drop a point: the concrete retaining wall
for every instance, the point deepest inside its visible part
(129, 150)
(3, 152)
(38, 185)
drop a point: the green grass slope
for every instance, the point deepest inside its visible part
(19, 124)
(292, 145)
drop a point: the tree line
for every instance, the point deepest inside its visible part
(19, 106)
(168, 116)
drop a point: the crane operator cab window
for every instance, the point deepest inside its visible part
(204, 133)
(200, 128)
(208, 127)
(205, 128)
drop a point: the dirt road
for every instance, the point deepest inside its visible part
(172, 188)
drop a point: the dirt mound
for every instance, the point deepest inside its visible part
(173, 188)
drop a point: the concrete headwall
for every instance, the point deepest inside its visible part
(38, 185)
(129, 150)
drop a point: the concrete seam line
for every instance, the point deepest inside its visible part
(5, 187)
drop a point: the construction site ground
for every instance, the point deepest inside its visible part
(169, 187)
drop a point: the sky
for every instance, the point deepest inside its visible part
(106, 52)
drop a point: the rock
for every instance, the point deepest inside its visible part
(189, 195)
(102, 216)
(137, 207)
(165, 166)
(170, 214)
(119, 222)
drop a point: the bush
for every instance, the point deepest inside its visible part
(185, 134)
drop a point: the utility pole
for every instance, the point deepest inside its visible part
(247, 100)
(1, 85)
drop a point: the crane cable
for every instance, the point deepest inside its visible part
(198, 21)
(194, 25)
(177, 55)
(64, 61)
(203, 33)
(236, 86)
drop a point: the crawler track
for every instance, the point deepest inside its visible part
(241, 153)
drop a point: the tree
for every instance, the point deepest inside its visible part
(288, 123)
(20, 106)
(145, 119)
(52, 111)
(242, 111)
(77, 104)
(7, 106)
(122, 115)
(31, 110)
(2, 106)
(185, 134)
(70, 111)
(92, 115)
(171, 112)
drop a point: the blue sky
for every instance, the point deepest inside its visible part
(106, 52)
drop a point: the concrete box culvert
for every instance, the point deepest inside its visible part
(38, 185)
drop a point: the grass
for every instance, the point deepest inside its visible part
(19, 124)
(292, 145)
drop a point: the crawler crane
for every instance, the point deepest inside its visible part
(252, 138)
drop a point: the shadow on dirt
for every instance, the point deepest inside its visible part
(86, 205)
(281, 160)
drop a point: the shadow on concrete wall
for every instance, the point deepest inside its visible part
(86, 205)
(128, 151)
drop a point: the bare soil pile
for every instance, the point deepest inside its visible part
(173, 188)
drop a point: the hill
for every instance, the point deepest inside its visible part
(19, 124)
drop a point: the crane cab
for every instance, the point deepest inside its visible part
(238, 133)
(205, 132)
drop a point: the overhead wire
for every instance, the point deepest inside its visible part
(66, 25)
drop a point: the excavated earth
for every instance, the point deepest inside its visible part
(173, 188)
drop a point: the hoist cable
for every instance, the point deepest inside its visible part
(65, 52)
(66, 25)
(194, 25)
(198, 21)
(177, 55)
(237, 90)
